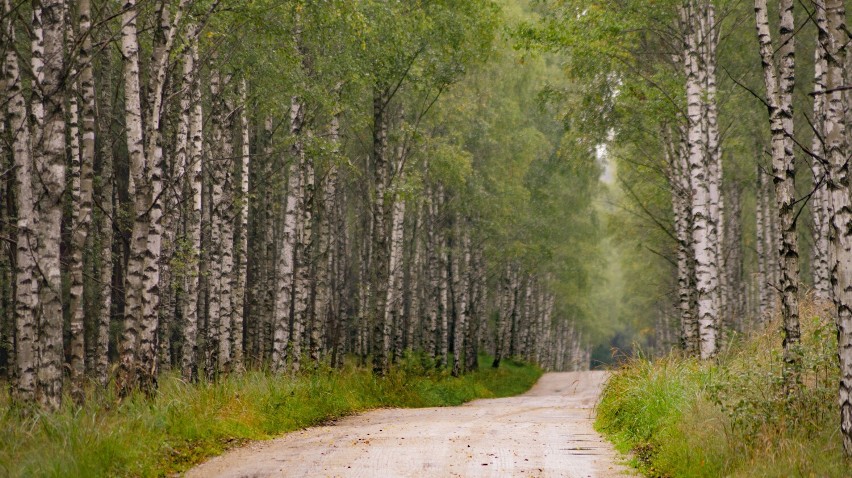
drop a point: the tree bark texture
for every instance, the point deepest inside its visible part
(780, 81)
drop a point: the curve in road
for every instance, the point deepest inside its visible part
(546, 432)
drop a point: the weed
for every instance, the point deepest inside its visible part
(684, 418)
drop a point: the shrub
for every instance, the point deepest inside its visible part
(732, 417)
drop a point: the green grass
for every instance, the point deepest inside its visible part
(683, 418)
(187, 423)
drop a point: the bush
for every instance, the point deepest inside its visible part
(684, 418)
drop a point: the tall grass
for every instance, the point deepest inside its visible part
(683, 418)
(186, 423)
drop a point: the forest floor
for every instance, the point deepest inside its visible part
(544, 432)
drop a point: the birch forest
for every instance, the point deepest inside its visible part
(204, 189)
(210, 187)
(729, 125)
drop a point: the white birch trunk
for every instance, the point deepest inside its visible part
(833, 40)
(394, 309)
(179, 199)
(80, 206)
(227, 280)
(302, 312)
(704, 250)
(286, 256)
(51, 170)
(26, 285)
(765, 286)
(820, 201)
(461, 266)
(105, 236)
(681, 200)
(133, 124)
(192, 200)
(87, 86)
(7, 249)
(149, 323)
(709, 39)
(443, 300)
(241, 241)
(380, 249)
(416, 272)
(215, 263)
(138, 344)
(779, 87)
(37, 93)
(433, 274)
(175, 166)
(323, 310)
(478, 304)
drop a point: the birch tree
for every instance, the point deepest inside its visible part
(461, 266)
(106, 225)
(379, 244)
(82, 163)
(133, 121)
(820, 202)
(51, 169)
(192, 108)
(241, 241)
(26, 284)
(286, 266)
(206, 231)
(780, 80)
(833, 40)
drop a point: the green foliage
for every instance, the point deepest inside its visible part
(449, 164)
(684, 418)
(643, 407)
(465, 110)
(498, 147)
(626, 90)
(187, 423)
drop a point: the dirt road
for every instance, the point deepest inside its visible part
(546, 432)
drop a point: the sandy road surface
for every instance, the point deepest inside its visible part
(546, 432)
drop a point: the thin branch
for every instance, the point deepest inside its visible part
(650, 215)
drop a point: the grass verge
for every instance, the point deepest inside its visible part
(683, 418)
(187, 423)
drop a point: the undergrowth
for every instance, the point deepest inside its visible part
(680, 417)
(187, 423)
